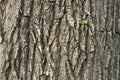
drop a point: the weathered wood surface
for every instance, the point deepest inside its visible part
(44, 40)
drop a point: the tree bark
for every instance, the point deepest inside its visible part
(45, 40)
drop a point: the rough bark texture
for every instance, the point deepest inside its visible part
(45, 40)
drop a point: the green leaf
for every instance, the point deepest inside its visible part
(84, 22)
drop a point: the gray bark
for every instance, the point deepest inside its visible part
(45, 40)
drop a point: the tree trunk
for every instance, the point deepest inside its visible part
(47, 40)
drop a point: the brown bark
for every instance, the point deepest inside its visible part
(45, 40)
